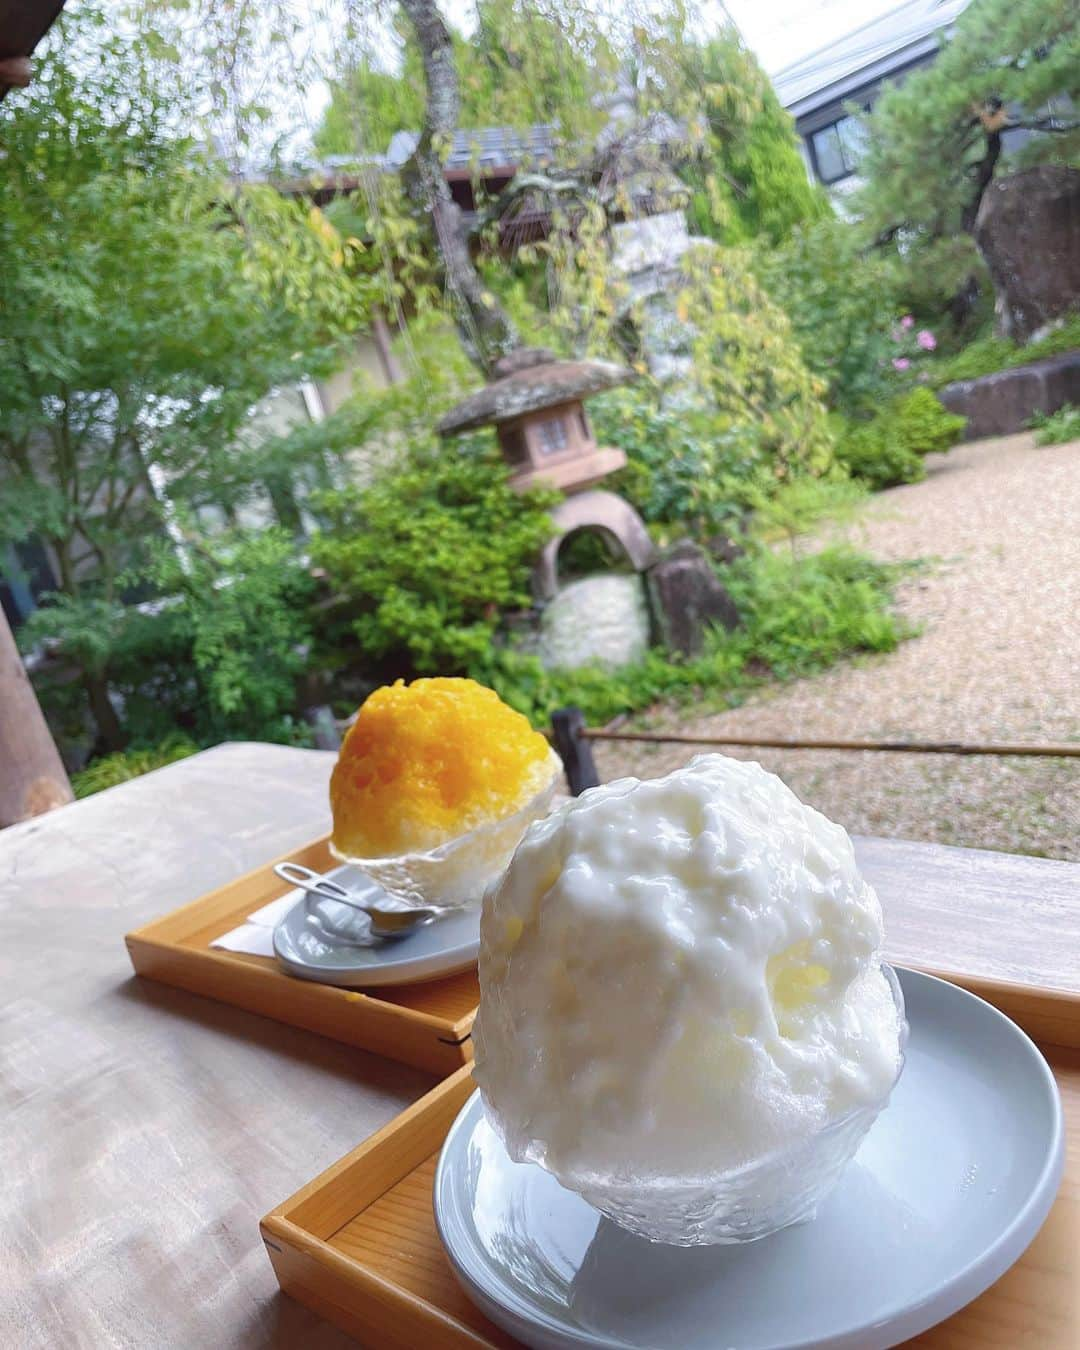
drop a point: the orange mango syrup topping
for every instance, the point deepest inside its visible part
(427, 761)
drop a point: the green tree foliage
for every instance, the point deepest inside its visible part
(530, 63)
(749, 418)
(935, 140)
(747, 177)
(843, 304)
(145, 306)
(368, 105)
(749, 369)
(525, 63)
(217, 657)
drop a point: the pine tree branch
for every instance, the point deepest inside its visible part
(1044, 124)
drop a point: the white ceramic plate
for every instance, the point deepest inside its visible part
(948, 1189)
(442, 948)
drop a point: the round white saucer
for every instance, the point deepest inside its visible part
(438, 949)
(948, 1189)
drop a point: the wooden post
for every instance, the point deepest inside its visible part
(391, 366)
(14, 72)
(32, 776)
(575, 752)
(321, 720)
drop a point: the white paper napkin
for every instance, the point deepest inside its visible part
(255, 937)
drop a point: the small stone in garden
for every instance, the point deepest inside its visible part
(600, 620)
(688, 597)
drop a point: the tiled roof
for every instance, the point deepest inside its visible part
(483, 147)
(868, 53)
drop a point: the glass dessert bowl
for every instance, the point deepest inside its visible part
(435, 784)
(458, 872)
(744, 1203)
(684, 1016)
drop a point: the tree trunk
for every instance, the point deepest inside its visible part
(962, 304)
(110, 733)
(486, 330)
(984, 171)
(32, 777)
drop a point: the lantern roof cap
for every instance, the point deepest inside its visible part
(528, 380)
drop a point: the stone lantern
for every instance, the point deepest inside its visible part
(535, 403)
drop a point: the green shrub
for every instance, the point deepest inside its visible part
(989, 355)
(875, 457)
(682, 468)
(749, 410)
(223, 653)
(763, 400)
(982, 357)
(802, 615)
(429, 553)
(798, 616)
(843, 304)
(923, 425)
(799, 507)
(109, 770)
(1055, 428)
(247, 601)
(888, 449)
(689, 470)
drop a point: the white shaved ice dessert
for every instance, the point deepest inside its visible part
(683, 1014)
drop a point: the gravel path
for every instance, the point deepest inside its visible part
(998, 658)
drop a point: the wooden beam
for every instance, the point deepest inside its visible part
(32, 776)
(1036, 750)
(14, 72)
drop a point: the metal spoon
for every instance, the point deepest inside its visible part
(385, 923)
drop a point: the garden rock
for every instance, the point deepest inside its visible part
(999, 404)
(687, 598)
(1028, 231)
(597, 621)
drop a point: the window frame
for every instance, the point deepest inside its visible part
(849, 169)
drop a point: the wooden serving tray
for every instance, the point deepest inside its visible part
(358, 1244)
(426, 1025)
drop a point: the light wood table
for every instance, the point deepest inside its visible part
(144, 1131)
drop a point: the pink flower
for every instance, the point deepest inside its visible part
(900, 363)
(907, 321)
(926, 340)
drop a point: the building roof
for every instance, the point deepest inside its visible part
(869, 53)
(482, 147)
(492, 152)
(528, 380)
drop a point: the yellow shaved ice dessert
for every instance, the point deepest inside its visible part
(429, 761)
